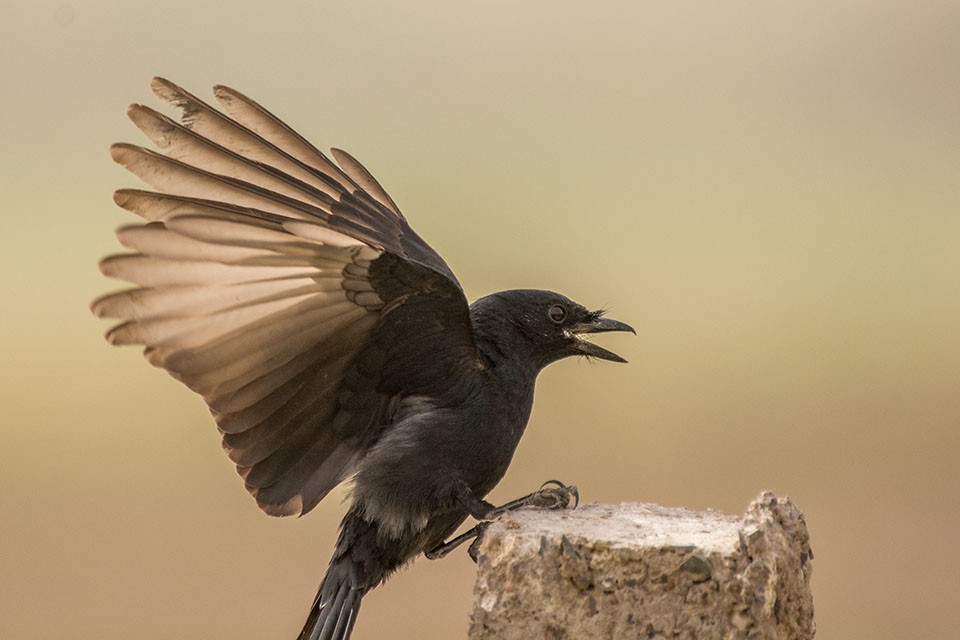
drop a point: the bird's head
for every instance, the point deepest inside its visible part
(543, 325)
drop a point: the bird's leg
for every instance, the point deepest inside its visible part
(479, 509)
(558, 496)
(444, 548)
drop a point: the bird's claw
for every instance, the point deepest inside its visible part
(474, 548)
(557, 496)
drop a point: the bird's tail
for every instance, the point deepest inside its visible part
(337, 603)
(362, 560)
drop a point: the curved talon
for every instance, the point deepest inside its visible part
(474, 548)
(570, 490)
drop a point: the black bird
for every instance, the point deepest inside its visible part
(328, 339)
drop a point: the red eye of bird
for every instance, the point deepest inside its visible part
(557, 313)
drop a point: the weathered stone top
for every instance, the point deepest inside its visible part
(630, 524)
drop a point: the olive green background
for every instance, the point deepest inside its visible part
(768, 191)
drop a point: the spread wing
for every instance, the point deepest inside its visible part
(286, 289)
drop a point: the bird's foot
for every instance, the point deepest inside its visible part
(553, 494)
(445, 548)
(474, 549)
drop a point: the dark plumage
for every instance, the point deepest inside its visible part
(328, 339)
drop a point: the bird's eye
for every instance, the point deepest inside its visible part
(557, 313)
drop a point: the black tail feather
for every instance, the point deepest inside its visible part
(335, 609)
(348, 616)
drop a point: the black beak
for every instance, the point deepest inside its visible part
(599, 324)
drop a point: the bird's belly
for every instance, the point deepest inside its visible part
(416, 469)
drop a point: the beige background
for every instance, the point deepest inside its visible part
(769, 192)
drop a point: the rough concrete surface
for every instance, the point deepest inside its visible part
(641, 570)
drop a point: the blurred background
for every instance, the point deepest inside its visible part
(768, 192)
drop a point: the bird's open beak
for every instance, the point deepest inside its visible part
(599, 325)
